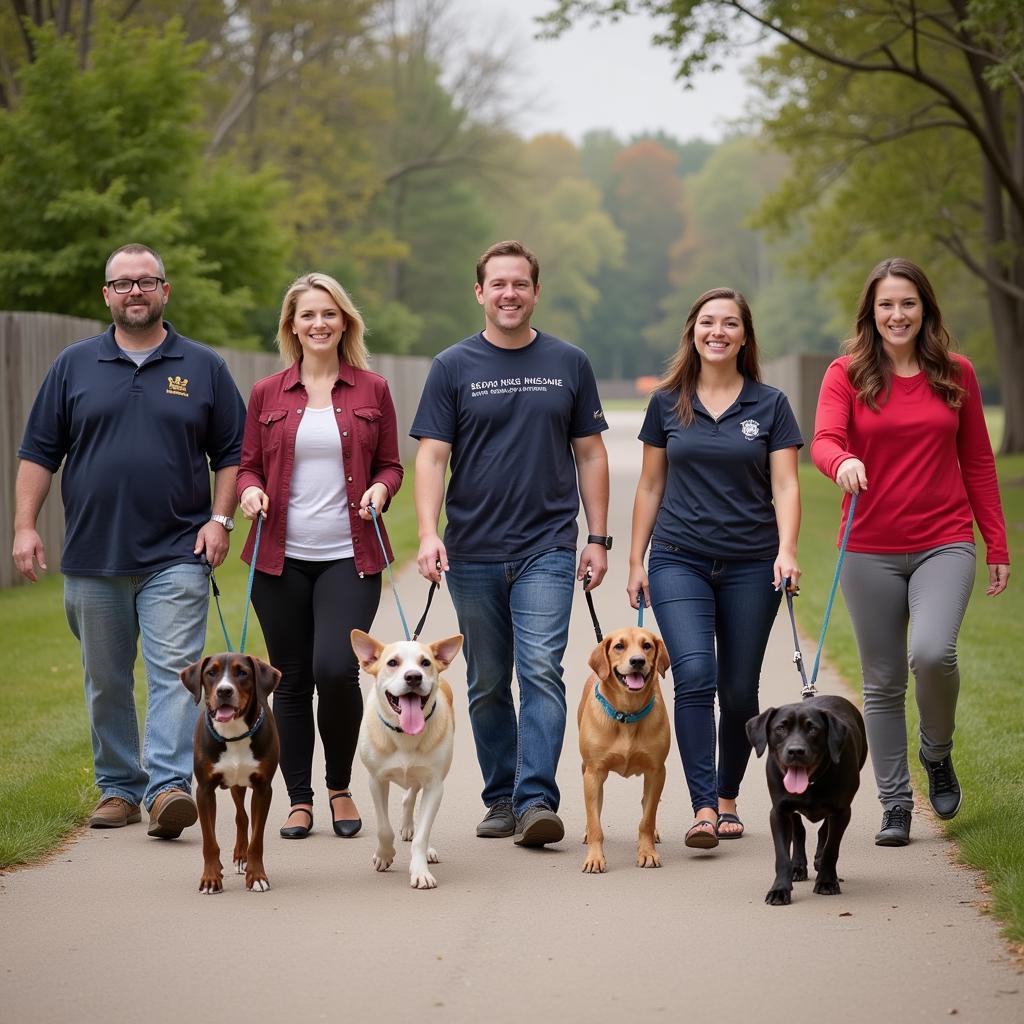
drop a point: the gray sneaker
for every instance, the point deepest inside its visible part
(943, 788)
(498, 823)
(538, 826)
(895, 830)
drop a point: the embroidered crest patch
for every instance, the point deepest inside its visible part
(751, 429)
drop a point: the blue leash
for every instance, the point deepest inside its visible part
(391, 575)
(248, 591)
(808, 689)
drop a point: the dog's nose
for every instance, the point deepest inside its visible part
(796, 750)
(413, 678)
(225, 691)
(637, 661)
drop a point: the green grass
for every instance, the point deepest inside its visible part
(990, 717)
(46, 788)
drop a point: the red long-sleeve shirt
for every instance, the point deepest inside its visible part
(930, 468)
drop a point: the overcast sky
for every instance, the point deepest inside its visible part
(606, 77)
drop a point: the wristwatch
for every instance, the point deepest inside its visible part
(226, 521)
(605, 542)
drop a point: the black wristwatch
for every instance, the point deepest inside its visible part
(605, 542)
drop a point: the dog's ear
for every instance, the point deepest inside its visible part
(444, 651)
(267, 677)
(367, 649)
(757, 730)
(662, 663)
(599, 660)
(837, 733)
(192, 678)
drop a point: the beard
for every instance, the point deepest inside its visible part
(137, 317)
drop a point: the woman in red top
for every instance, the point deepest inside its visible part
(321, 444)
(903, 412)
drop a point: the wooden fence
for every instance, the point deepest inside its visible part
(29, 343)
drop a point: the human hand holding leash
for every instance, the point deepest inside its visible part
(852, 476)
(786, 569)
(375, 495)
(637, 586)
(254, 502)
(593, 560)
(432, 559)
(213, 541)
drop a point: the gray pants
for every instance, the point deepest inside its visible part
(929, 591)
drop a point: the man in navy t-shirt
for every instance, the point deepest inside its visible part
(517, 414)
(138, 416)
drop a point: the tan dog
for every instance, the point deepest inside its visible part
(624, 728)
(407, 737)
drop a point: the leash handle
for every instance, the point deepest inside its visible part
(391, 575)
(640, 610)
(423, 618)
(808, 689)
(248, 589)
(590, 604)
(216, 599)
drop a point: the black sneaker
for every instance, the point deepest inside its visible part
(499, 822)
(895, 830)
(943, 789)
(538, 826)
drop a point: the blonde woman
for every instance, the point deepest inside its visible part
(321, 444)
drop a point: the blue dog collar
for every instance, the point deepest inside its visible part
(233, 739)
(622, 716)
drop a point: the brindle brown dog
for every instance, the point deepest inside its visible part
(624, 729)
(236, 746)
(816, 751)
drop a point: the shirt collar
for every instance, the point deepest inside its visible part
(293, 375)
(169, 348)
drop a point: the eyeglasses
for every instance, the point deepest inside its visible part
(124, 285)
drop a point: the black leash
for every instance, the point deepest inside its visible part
(593, 613)
(423, 618)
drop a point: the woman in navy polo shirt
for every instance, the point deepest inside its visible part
(719, 503)
(321, 444)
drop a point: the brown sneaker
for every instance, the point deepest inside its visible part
(172, 811)
(113, 812)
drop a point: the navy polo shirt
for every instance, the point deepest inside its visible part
(718, 492)
(510, 416)
(137, 444)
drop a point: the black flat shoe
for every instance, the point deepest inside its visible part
(297, 831)
(346, 827)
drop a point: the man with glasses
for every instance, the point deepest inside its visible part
(138, 416)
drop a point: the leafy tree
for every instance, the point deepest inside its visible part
(866, 76)
(90, 159)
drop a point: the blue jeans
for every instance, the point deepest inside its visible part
(516, 613)
(107, 614)
(704, 605)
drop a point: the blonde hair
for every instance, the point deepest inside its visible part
(352, 348)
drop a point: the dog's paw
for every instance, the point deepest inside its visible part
(382, 860)
(800, 873)
(778, 898)
(647, 859)
(407, 832)
(432, 857)
(240, 866)
(827, 887)
(210, 884)
(595, 864)
(261, 884)
(422, 880)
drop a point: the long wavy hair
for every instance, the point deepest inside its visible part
(870, 370)
(352, 348)
(683, 367)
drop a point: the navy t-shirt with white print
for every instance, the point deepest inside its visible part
(510, 416)
(718, 492)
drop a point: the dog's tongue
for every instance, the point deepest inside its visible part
(634, 681)
(410, 713)
(795, 780)
(225, 713)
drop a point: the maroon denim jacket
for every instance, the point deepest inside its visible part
(369, 441)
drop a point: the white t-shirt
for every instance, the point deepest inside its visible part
(318, 527)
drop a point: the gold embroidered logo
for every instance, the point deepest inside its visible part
(177, 386)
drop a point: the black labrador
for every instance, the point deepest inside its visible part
(818, 748)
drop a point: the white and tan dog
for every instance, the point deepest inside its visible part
(407, 737)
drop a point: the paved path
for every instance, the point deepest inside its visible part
(113, 930)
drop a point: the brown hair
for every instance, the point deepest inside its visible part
(683, 367)
(133, 248)
(870, 369)
(352, 348)
(509, 248)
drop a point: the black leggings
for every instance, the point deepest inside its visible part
(307, 614)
